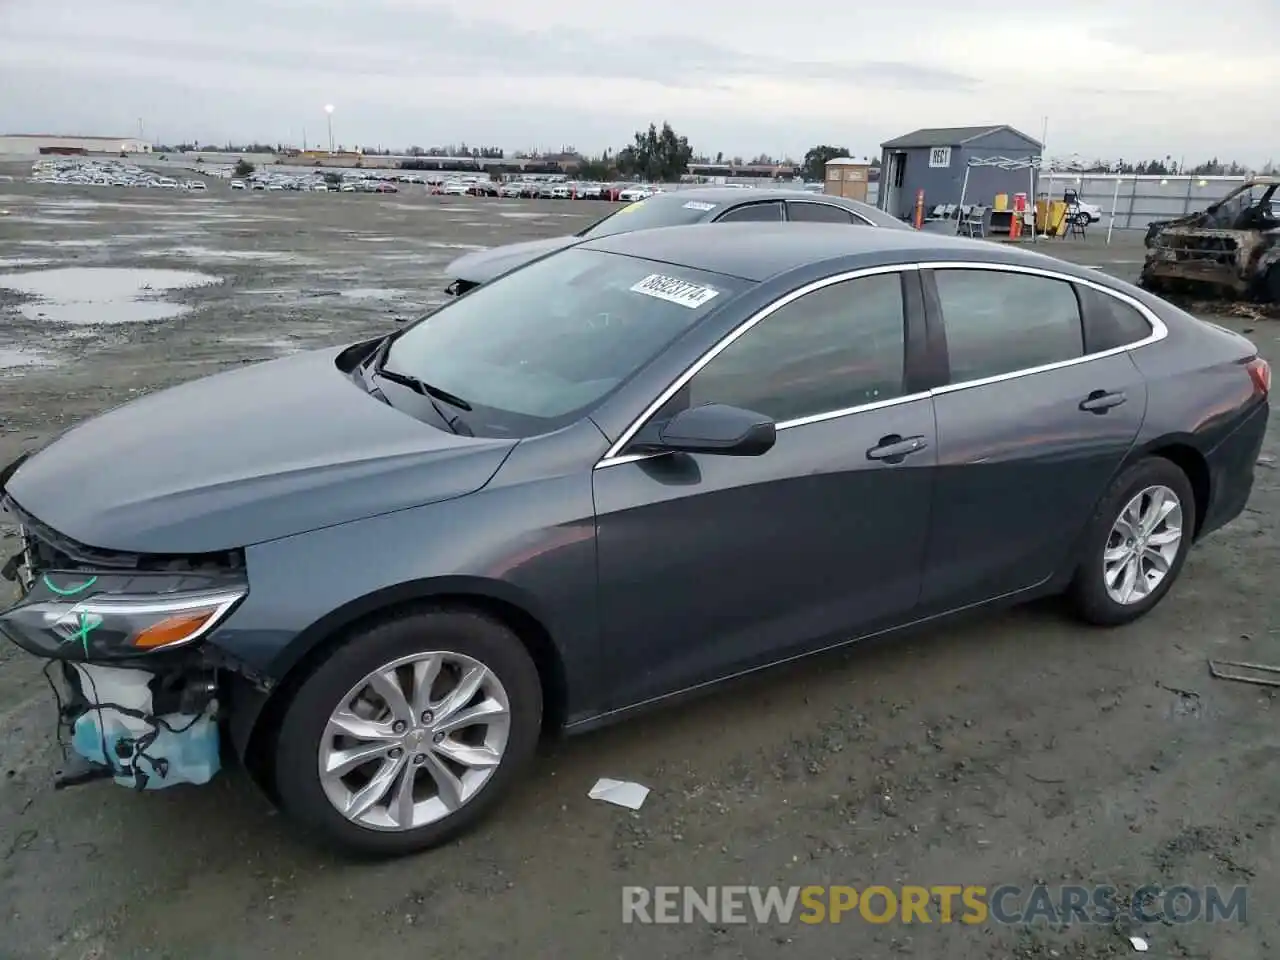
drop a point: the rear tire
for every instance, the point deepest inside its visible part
(430, 797)
(1126, 567)
(1271, 285)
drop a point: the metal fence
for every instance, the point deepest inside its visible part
(1138, 200)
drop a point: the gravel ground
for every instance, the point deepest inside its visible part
(1009, 750)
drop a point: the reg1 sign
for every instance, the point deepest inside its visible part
(939, 156)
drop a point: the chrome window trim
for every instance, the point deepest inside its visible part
(1159, 331)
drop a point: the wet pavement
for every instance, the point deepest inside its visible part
(100, 295)
(1014, 749)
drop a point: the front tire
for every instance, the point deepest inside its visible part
(1135, 544)
(409, 732)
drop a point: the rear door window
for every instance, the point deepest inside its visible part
(807, 212)
(754, 213)
(999, 322)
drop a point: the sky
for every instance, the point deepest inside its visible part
(1136, 79)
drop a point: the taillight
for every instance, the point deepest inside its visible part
(1260, 374)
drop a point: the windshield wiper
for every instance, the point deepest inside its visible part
(377, 366)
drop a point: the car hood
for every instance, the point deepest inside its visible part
(484, 265)
(262, 452)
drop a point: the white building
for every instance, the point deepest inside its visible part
(33, 144)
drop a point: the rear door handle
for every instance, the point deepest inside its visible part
(1100, 401)
(895, 448)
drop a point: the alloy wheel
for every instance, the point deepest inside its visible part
(1143, 545)
(414, 741)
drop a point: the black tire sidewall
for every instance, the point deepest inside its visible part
(296, 765)
(1089, 590)
(1271, 284)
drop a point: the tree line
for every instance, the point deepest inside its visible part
(1168, 167)
(659, 154)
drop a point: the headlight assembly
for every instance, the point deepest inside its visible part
(113, 616)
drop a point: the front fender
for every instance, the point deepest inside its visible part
(530, 546)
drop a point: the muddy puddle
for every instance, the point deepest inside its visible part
(209, 253)
(9, 263)
(276, 346)
(457, 246)
(51, 221)
(12, 361)
(101, 295)
(374, 293)
(413, 257)
(68, 244)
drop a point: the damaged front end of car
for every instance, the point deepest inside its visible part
(1231, 249)
(139, 693)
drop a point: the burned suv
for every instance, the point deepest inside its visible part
(1233, 247)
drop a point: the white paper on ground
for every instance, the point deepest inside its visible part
(623, 793)
(1138, 944)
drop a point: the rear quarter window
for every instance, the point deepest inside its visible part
(1109, 322)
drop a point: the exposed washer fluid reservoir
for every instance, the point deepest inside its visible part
(144, 750)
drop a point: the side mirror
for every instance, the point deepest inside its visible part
(712, 428)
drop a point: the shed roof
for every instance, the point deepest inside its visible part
(951, 136)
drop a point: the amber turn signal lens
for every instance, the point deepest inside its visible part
(172, 629)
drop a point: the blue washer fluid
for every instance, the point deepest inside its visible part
(188, 744)
(191, 756)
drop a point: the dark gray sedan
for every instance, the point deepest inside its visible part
(675, 209)
(627, 470)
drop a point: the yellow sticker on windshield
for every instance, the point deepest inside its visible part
(631, 206)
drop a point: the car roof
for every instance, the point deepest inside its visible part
(758, 251)
(740, 195)
(726, 194)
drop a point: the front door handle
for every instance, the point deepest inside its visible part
(1100, 401)
(895, 448)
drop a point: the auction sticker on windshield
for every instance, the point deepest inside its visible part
(699, 205)
(674, 290)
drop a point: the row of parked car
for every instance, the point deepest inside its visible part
(307, 185)
(547, 189)
(474, 186)
(106, 173)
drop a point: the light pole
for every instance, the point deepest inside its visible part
(328, 109)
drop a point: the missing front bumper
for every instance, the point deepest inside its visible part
(143, 730)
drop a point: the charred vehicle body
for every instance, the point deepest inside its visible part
(1232, 248)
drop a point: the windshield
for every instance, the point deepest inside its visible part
(535, 349)
(660, 210)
